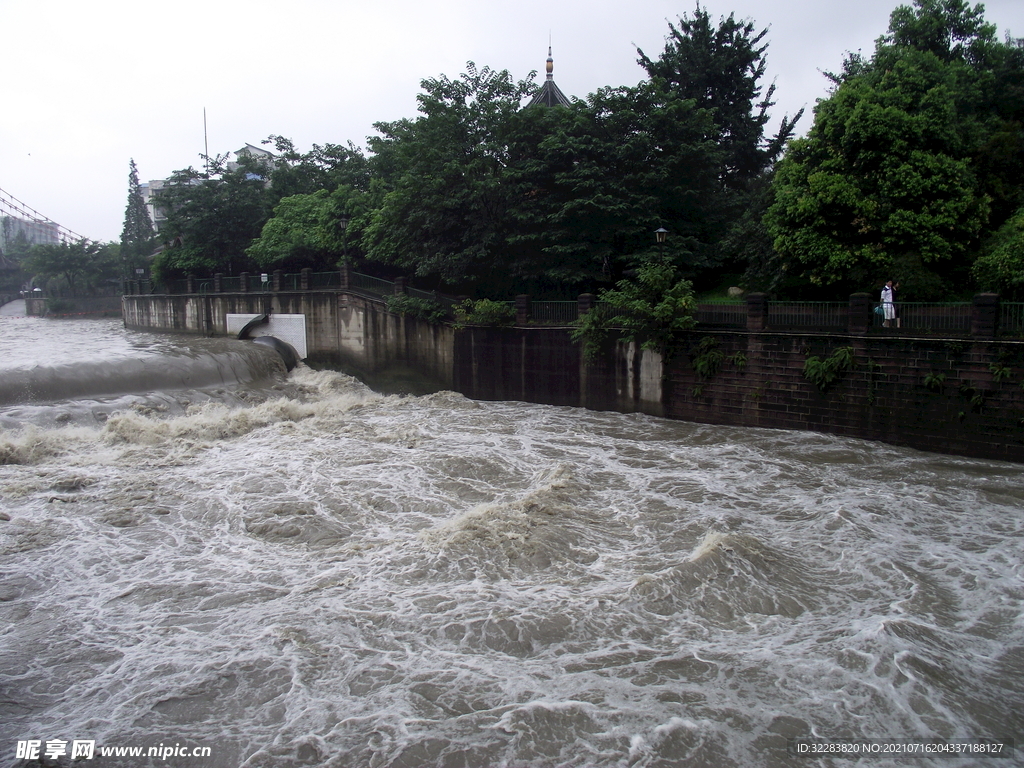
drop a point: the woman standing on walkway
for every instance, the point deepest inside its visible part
(888, 308)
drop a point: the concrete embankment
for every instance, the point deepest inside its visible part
(955, 395)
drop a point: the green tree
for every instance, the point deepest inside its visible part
(137, 235)
(212, 218)
(608, 172)
(1001, 267)
(73, 268)
(720, 69)
(895, 178)
(443, 206)
(305, 231)
(291, 236)
(950, 30)
(324, 167)
(16, 247)
(652, 308)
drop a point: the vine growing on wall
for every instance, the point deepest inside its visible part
(1000, 372)
(707, 359)
(934, 381)
(824, 373)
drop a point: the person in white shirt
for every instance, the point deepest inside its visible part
(888, 308)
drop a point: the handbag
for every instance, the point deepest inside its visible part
(879, 311)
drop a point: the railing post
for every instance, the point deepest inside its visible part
(346, 277)
(985, 315)
(276, 281)
(858, 318)
(757, 311)
(190, 284)
(522, 309)
(585, 302)
(243, 282)
(401, 285)
(304, 278)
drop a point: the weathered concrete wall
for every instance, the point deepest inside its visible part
(959, 396)
(389, 350)
(97, 306)
(350, 331)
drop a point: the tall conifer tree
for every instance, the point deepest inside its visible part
(137, 237)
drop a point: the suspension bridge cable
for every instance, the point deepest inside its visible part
(13, 204)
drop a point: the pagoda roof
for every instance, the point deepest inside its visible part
(549, 94)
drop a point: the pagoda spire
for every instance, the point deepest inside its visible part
(549, 94)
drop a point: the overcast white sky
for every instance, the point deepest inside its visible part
(88, 85)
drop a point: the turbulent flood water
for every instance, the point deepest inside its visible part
(294, 570)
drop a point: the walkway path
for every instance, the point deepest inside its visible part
(14, 308)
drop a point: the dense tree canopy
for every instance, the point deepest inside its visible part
(73, 268)
(720, 69)
(913, 169)
(478, 194)
(215, 216)
(898, 177)
(445, 207)
(211, 219)
(324, 167)
(479, 191)
(610, 171)
(307, 231)
(1001, 266)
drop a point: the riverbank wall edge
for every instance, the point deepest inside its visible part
(950, 395)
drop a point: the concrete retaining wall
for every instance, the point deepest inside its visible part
(959, 396)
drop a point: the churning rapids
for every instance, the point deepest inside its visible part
(294, 570)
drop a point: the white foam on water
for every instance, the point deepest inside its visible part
(341, 578)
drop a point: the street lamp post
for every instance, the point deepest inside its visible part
(659, 235)
(343, 221)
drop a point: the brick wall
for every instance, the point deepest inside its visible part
(932, 394)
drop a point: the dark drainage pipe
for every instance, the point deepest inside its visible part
(283, 348)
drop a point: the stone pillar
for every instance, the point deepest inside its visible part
(858, 318)
(275, 281)
(190, 284)
(243, 282)
(217, 278)
(346, 277)
(304, 278)
(401, 285)
(522, 309)
(985, 316)
(586, 302)
(757, 311)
